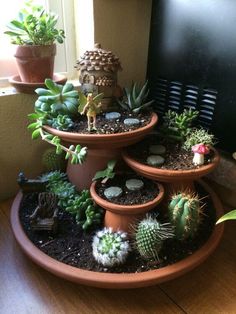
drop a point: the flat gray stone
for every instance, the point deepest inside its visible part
(134, 184)
(112, 115)
(155, 160)
(157, 149)
(131, 121)
(113, 191)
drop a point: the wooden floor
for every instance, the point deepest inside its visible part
(25, 288)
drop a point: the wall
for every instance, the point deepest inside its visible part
(123, 27)
(18, 151)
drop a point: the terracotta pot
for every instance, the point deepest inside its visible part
(122, 217)
(35, 63)
(175, 179)
(101, 149)
(117, 281)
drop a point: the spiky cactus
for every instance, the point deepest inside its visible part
(52, 161)
(149, 237)
(185, 213)
(110, 248)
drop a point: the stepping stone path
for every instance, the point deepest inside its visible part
(134, 184)
(157, 149)
(112, 115)
(113, 191)
(131, 121)
(155, 160)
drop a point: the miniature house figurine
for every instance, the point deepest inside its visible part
(98, 73)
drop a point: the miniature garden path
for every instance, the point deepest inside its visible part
(26, 288)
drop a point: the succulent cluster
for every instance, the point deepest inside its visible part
(110, 248)
(135, 99)
(85, 211)
(178, 126)
(57, 99)
(61, 122)
(52, 161)
(198, 136)
(185, 213)
(149, 237)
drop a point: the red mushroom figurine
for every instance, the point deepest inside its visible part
(199, 151)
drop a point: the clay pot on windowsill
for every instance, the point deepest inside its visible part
(175, 179)
(123, 217)
(121, 280)
(101, 149)
(35, 63)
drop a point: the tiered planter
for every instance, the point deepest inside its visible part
(101, 149)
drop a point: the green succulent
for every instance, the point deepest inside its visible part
(185, 213)
(107, 173)
(54, 177)
(135, 98)
(65, 192)
(198, 136)
(150, 235)
(86, 213)
(61, 122)
(57, 99)
(229, 216)
(178, 126)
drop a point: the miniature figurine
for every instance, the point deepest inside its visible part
(199, 151)
(31, 185)
(91, 108)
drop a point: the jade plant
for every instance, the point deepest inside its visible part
(135, 99)
(35, 26)
(150, 235)
(177, 126)
(52, 102)
(110, 248)
(107, 173)
(229, 216)
(185, 213)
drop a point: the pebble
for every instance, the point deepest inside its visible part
(113, 191)
(155, 160)
(112, 115)
(134, 184)
(131, 121)
(157, 149)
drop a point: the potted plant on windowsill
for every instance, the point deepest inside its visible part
(35, 34)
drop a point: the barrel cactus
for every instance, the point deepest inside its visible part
(149, 237)
(52, 161)
(110, 248)
(185, 213)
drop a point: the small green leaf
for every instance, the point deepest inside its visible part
(33, 126)
(229, 216)
(36, 134)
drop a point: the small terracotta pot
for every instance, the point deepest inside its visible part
(123, 280)
(122, 217)
(35, 63)
(175, 179)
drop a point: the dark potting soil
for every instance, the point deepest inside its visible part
(105, 126)
(146, 194)
(74, 247)
(176, 157)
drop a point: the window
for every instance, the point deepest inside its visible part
(66, 52)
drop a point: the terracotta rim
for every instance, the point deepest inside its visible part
(123, 139)
(117, 281)
(126, 209)
(167, 175)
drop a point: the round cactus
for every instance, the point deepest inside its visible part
(185, 213)
(52, 161)
(110, 248)
(149, 237)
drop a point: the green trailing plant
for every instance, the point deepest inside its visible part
(150, 235)
(107, 173)
(229, 216)
(198, 136)
(177, 126)
(110, 248)
(86, 212)
(57, 99)
(135, 99)
(35, 26)
(185, 213)
(61, 122)
(52, 161)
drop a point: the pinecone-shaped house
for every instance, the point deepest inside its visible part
(98, 73)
